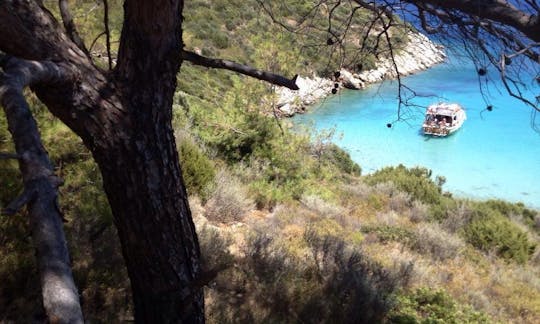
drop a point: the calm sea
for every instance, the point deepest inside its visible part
(496, 154)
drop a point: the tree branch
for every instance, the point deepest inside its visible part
(107, 31)
(18, 203)
(70, 27)
(31, 32)
(240, 68)
(60, 296)
(8, 156)
(497, 10)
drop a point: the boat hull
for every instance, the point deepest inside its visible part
(439, 131)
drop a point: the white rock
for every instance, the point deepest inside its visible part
(349, 81)
(419, 54)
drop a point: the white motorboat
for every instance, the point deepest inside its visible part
(442, 119)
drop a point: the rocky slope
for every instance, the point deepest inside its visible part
(419, 54)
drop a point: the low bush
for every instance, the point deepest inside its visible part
(329, 282)
(489, 231)
(253, 133)
(432, 239)
(517, 211)
(426, 305)
(321, 207)
(197, 169)
(418, 212)
(214, 249)
(400, 202)
(229, 200)
(386, 233)
(415, 181)
(341, 159)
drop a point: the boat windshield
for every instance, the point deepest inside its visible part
(438, 119)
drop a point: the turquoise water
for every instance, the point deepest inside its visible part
(496, 154)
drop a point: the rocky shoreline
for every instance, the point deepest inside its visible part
(419, 54)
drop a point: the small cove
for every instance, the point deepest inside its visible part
(496, 154)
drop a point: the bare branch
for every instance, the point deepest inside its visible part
(371, 6)
(70, 27)
(107, 31)
(497, 10)
(60, 296)
(95, 40)
(429, 29)
(240, 68)
(16, 205)
(8, 156)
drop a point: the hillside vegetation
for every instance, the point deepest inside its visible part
(290, 230)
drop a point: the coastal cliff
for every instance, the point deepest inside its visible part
(419, 54)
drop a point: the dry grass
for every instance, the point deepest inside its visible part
(229, 201)
(418, 212)
(435, 257)
(321, 207)
(457, 218)
(433, 240)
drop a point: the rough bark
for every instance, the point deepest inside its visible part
(124, 118)
(60, 296)
(279, 80)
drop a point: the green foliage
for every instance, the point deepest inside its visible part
(387, 233)
(429, 306)
(489, 231)
(197, 169)
(415, 181)
(341, 159)
(441, 210)
(517, 210)
(253, 136)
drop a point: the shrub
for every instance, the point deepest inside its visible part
(489, 230)
(387, 233)
(426, 305)
(198, 171)
(511, 210)
(400, 201)
(433, 240)
(341, 159)
(415, 181)
(254, 132)
(321, 207)
(214, 249)
(228, 202)
(330, 283)
(418, 212)
(453, 215)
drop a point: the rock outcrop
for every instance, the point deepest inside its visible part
(419, 54)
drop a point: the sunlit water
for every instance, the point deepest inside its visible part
(496, 154)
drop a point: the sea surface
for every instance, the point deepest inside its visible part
(496, 154)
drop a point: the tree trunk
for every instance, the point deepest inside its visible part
(143, 182)
(141, 170)
(124, 118)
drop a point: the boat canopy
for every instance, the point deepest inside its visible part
(445, 109)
